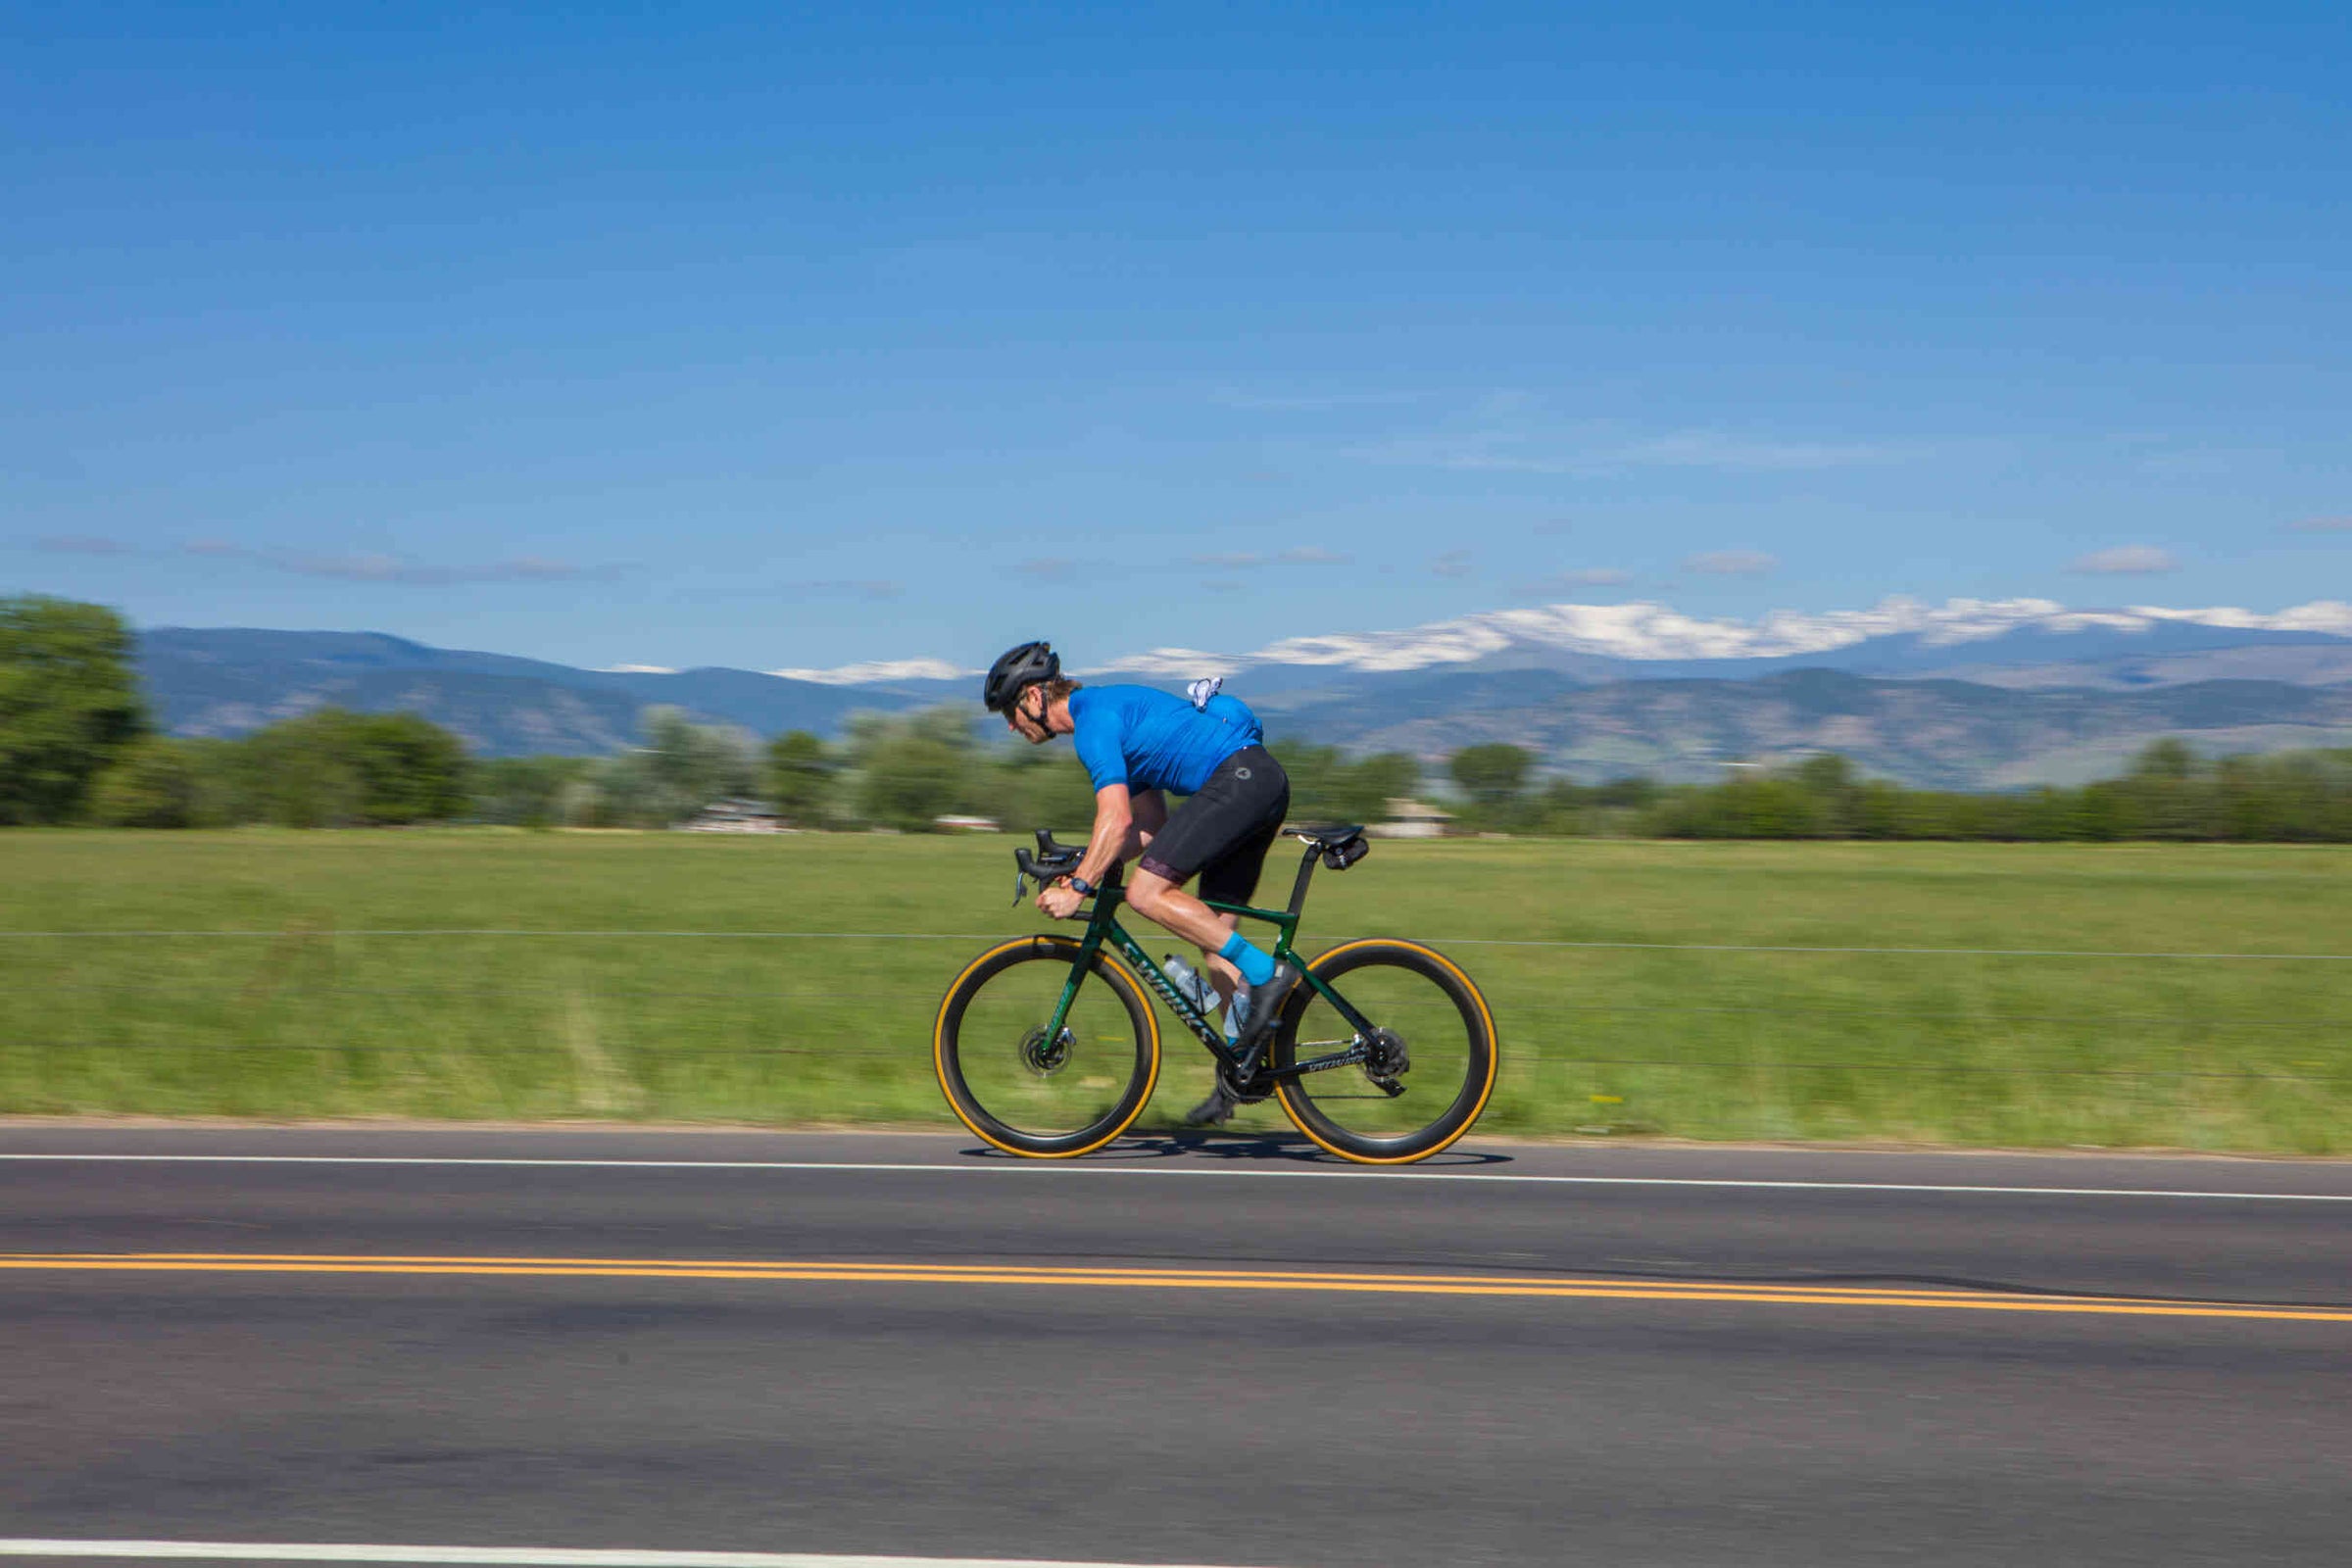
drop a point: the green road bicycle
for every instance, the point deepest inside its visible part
(1046, 1045)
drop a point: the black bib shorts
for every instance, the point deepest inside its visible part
(1223, 832)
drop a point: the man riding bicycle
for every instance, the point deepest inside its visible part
(1139, 743)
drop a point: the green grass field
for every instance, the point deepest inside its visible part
(321, 1017)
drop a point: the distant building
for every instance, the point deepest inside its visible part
(734, 817)
(1413, 819)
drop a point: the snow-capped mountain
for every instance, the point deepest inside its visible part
(1593, 689)
(2004, 641)
(1599, 641)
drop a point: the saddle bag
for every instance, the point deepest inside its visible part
(1339, 857)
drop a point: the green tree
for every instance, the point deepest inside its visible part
(2169, 759)
(1564, 810)
(693, 765)
(410, 768)
(525, 791)
(912, 768)
(682, 768)
(69, 703)
(1492, 776)
(299, 773)
(152, 783)
(1032, 787)
(1317, 779)
(800, 777)
(225, 790)
(337, 769)
(1368, 785)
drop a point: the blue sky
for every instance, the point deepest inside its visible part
(708, 336)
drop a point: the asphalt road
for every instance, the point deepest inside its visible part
(1213, 1351)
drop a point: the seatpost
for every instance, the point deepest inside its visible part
(1306, 874)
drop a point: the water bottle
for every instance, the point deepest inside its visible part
(1194, 988)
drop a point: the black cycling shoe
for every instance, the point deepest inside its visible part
(1218, 1108)
(1237, 1084)
(1266, 1006)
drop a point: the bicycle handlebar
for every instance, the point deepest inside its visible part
(1052, 863)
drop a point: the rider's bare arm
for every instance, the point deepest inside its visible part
(1114, 821)
(1151, 808)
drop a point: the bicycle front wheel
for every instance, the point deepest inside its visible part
(1429, 1043)
(1027, 1086)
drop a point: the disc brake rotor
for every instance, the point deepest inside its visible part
(1045, 1058)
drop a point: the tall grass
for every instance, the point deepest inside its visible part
(318, 1012)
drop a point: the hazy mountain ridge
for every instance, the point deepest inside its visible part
(1951, 734)
(233, 680)
(1924, 731)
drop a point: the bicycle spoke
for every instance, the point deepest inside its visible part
(1044, 1085)
(1425, 1042)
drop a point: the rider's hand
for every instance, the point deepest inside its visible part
(1061, 900)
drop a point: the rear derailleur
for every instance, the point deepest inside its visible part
(1385, 1059)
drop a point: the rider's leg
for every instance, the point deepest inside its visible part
(1163, 902)
(1159, 900)
(1223, 977)
(1221, 834)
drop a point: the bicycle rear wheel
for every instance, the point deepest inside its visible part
(1030, 1093)
(1431, 1039)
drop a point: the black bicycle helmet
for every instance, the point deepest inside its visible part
(1016, 672)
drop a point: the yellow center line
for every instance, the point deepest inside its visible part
(1155, 1278)
(802, 1268)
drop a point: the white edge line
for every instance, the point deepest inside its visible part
(1071, 1168)
(526, 1556)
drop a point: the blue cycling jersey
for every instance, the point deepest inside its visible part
(1150, 740)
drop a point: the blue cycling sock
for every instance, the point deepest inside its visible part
(1254, 962)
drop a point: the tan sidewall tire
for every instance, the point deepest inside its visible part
(1036, 950)
(1360, 953)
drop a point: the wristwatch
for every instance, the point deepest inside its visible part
(1081, 885)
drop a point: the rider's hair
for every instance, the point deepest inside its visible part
(1058, 687)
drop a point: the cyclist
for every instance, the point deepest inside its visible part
(1139, 743)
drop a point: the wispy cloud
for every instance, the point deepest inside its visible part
(84, 544)
(385, 568)
(2321, 525)
(848, 588)
(1731, 563)
(1307, 402)
(1295, 555)
(1450, 563)
(375, 566)
(2125, 560)
(1590, 450)
(1569, 581)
